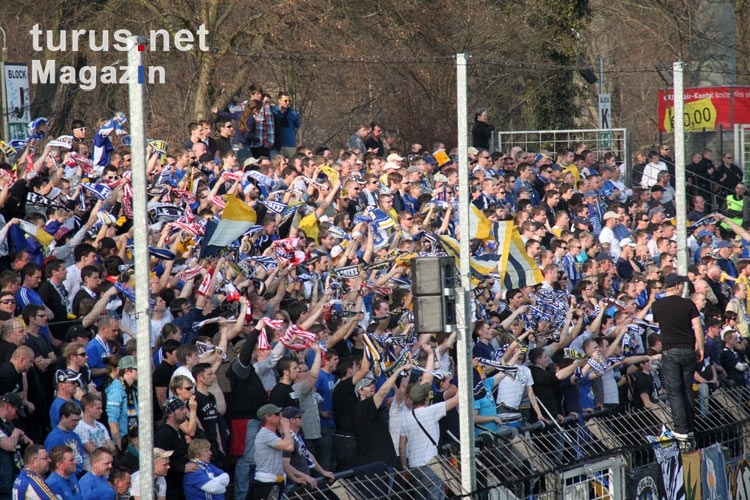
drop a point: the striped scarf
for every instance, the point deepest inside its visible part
(39, 486)
(302, 448)
(131, 392)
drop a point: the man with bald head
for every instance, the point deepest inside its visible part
(199, 148)
(701, 286)
(720, 289)
(13, 335)
(11, 372)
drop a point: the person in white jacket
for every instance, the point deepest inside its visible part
(652, 169)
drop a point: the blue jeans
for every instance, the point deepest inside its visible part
(678, 367)
(245, 468)
(325, 448)
(432, 486)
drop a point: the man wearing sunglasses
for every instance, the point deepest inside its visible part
(79, 131)
(287, 124)
(224, 140)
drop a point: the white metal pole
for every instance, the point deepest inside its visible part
(4, 103)
(463, 361)
(679, 160)
(142, 294)
(737, 149)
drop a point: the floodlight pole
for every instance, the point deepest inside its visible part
(141, 258)
(4, 89)
(678, 69)
(463, 305)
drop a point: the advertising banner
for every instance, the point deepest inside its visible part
(644, 483)
(17, 99)
(713, 473)
(738, 472)
(706, 108)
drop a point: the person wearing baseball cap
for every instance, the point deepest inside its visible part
(610, 220)
(67, 385)
(122, 400)
(682, 341)
(581, 224)
(11, 407)
(300, 464)
(161, 467)
(374, 443)
(169, 438)
(420, 433)
(269, 450)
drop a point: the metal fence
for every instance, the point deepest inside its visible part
(735, 140)
(617, 141)
(571, 461)
(599, 141)
(742, 149)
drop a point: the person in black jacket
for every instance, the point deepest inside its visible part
(665, 157)
(481, 131)
(168, 437)
(11, 407)
(374, 141)
(55, 297)
(248, 395)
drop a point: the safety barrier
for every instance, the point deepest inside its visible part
(609, 457)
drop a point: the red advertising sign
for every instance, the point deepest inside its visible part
(706, 108)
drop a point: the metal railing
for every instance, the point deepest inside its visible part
(712, 192)
(617, 141)
(542, 462)
(599, 141)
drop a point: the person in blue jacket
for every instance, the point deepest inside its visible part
(207, 482)
(287, 123)
(30, 482)
(70, 415)
(62, 481)
(95, 483)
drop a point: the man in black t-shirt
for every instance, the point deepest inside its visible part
(374, 443)
(208, 414)
(682, 341)
(547, 381)
(344, 402)
(374, 141)
(282, 394)
(643, 387)
(248, 396)
(11, 372)
(163, 375)
(301, 464)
